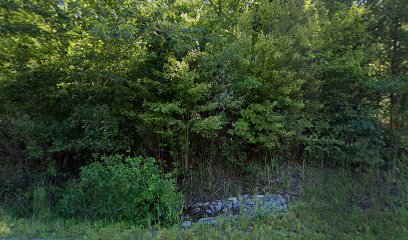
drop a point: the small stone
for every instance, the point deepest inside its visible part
(198, 204)
(196, 210)
(218, 206)
(208, 211)
(229, 206)
(234, 200)
(210, 220)
(260, 197)
(250, 202)
(212, 208)
(206, 204)
(187, 224)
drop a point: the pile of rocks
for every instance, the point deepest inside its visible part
(247, 205)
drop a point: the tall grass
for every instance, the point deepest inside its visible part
(331, 204)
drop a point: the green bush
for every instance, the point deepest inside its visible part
(125, 189)
(41, 204)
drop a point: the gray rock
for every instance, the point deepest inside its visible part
(210, 220)
(208, 211)
(218, 205)
(250, 203)
(260, 197)
(198, 204)
(229, 206)
(206, 204)
(196, 210)
(277, 200)
(187, 224)
(234, 200)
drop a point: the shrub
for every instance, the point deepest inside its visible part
(126, 189)
(41, 202)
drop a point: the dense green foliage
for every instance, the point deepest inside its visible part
(188, 81)
(127, 189)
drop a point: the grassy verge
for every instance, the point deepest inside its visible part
(329, 205)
